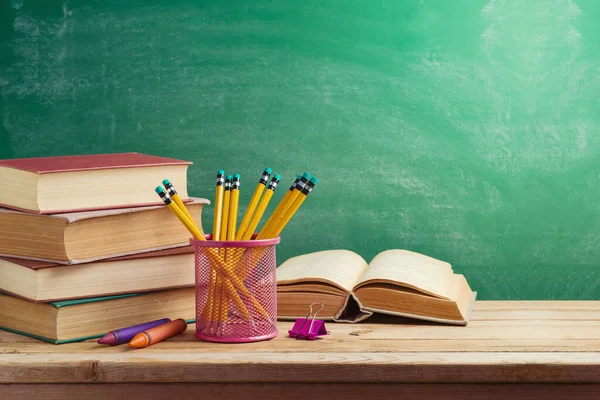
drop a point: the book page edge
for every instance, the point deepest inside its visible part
(464, 322)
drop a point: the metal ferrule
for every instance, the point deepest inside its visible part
(264, 178)
(273, 184)
(307, 188)
(220, 180)
(165, 197)
(301, 185)
(172, 191)
(294, 184)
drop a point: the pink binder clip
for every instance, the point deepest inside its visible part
(309, 331)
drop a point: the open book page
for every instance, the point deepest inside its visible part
(340, 267)
(413, 270)
(311, 287)
(462, 293)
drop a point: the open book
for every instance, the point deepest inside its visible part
(396, 282)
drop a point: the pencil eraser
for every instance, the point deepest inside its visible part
(299, 176)
(159, 189)
(268, 170)
(236, 176)
(314, 180)
(166, 182)
(276, 176)
(229, 177)
(306, 175)
(220, 172)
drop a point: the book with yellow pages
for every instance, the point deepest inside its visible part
(43, 282)
(51, 185)
(82, 237)
(81, 319)
(395, 282)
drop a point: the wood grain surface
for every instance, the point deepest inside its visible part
(505, 342)
(261, 391)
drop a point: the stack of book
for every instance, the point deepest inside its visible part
(86, 246)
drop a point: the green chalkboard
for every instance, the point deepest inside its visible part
(468, 130)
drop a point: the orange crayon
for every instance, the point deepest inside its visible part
(158, 333)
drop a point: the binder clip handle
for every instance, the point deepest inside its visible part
(308, 328)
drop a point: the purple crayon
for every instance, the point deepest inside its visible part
(124, 335)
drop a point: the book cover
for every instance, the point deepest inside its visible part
(58, 341)
(46, 282)
(77, 302)
(60, 304)
(48, 165)
(71, 217)
(132, 230)
(37, 184)
(67, 303)
(37, 264)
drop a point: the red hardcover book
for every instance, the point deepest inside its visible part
(50, 185)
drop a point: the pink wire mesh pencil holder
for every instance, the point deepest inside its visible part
(236, 290)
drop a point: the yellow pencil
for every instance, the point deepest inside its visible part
(268, 231)
(212, 285)
(177, 199)
(189, 224)
(226, 200)
(233, 207)
(260, 187)
(223, 299)
(213, 255)
(264, 202)
(220, 188)
(262, 206)
(232, 220)
(275, 215)
(304, 179)
(220, 308)
(286, 218)
(294, 207)
(218, 311)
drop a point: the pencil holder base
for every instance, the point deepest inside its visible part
(236, 290)
(215, 339)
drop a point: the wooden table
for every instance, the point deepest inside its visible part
(533, 350)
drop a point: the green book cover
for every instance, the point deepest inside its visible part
(56, 341)
(50, 340)
(67, 303)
